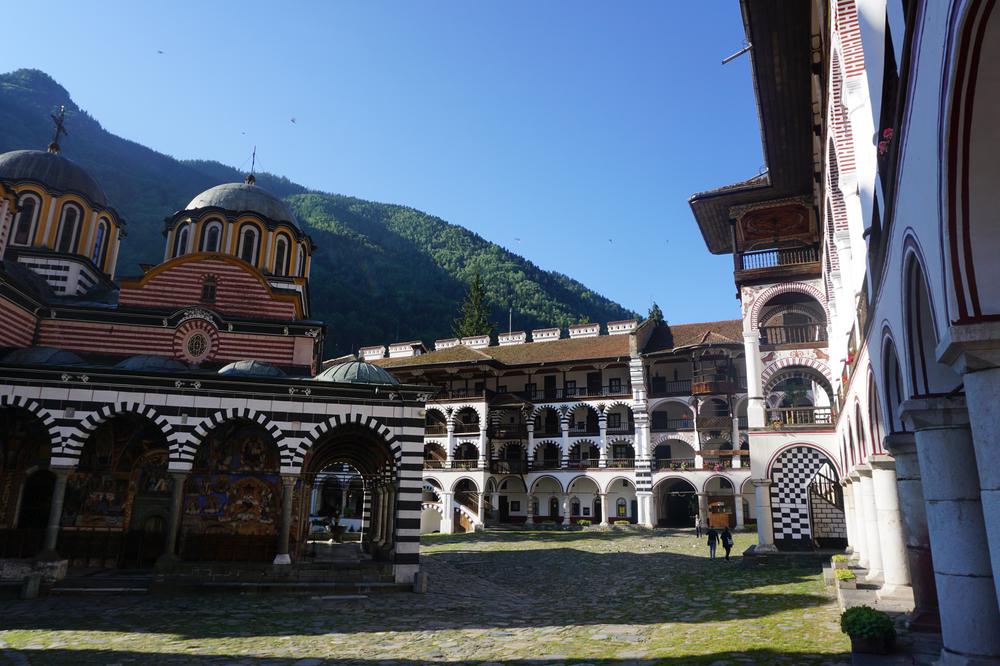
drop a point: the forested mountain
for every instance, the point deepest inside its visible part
(381, 272)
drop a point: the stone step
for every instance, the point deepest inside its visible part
(340, 588)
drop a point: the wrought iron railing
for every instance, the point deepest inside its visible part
(800, 416)
(776, 257)
(796, 334)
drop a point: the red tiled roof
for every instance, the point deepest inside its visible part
(667, 337)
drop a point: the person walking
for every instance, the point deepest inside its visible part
(713, 541)
(697, 525)
(727, 541)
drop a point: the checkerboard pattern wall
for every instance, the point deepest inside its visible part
(791, 474)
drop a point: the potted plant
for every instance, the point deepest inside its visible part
(583, 522)
(871, 631)
(847, 579)
(839, 561)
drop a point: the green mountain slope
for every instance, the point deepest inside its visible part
(382, 272)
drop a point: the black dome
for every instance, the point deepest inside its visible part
(52, 170)
(151, 363)
(42, 356)
(357, 372)
(251, 368)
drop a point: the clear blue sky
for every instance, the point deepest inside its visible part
(580, 128)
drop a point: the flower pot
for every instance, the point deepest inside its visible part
(877, 645)
(848, 584)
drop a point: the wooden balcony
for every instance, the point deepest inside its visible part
(793, 335)
(777, 262)
(793, 417)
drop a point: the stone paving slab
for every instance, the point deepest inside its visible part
(495, 598)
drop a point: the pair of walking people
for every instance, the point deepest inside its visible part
(714, 537)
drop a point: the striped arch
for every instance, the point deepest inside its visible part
(432, 489)
(801, 287)
(607, 406)
(433, 507)
(610, 484)
(29, 405)
(220, 417)
(782, 363)
(542, 442)
(75, 441)
(704, 483)
(560, 412)
(351, 418)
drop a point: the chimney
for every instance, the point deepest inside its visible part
(406, 349)
(476, 341)
(621, 327)
(545, 334)
(370, 353)
(584, 330)
(446, 343)
(515, 338)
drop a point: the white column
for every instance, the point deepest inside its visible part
(755, 390)
(982, 389)
(738, 507)
(970, 620)
(450, 445)
(849, 516)
(530, 510)
(484, 442)
(872, 539)
(765, 527)
(602, 441)
(860, 522)
(903, 448)
(644, 506)
(604, 509)
(448, 508)
(737, 460)
(703, 508)
(895, 571)
(564, 449)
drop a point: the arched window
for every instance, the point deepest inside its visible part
(181, 240)
(210, 236)
(248, 244)
(24, 222)
(621, 508)
(100, 243)
(69, 229)
(281, 255)
(300, 262)
(208, 287)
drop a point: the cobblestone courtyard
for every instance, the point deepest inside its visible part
(501, 597)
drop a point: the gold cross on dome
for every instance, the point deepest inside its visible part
(59, 129)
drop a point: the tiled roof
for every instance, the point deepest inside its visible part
(667, 337)
(569, 350)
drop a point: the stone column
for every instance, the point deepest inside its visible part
(703, 508)
(765, 526)
(604, 509)
(530, 510)
(390, 517)
(644, 505)
(895, 572)
(481, 510)
(970, 620)
(848, 494)
(738, 508)
(449, 449)
(736, 459)
(484, 443)
(860, 522)
(169, 555)
(903, 447)
(755, 391)
(495, 505)
(375, 521)
(872, 540)
(565, 508)
(49, 552)
(602, 441)
(564, 446)
(982, 388)
(284, 535)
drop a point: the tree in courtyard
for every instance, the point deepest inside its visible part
(474, 318)
(655, 314)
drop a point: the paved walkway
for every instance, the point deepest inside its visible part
(507, 597)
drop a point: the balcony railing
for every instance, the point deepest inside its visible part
(800, 416)
(547, 432)
(788, 335)
(541, 394)
(583, 463)
(678, 464)
(678, 387)
(625, 429)
(621, 463)
(509, 466)
(433, 463)
(673, 424)
(516, 431)
(435, 429)
(466, 428)
(774, 258)
(585, 431)
(715, 423)
(468, 463)
(549, 463)
(460, 394)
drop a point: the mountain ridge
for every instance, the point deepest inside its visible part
(382, 272)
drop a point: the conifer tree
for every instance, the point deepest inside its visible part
(655, 314)
(474, 318)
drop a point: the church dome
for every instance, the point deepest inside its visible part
(53, 171)
(245, 197)
(42, 356)
(151, 363)
(251, 368)
(357, 372)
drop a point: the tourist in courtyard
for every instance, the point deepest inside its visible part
(697, 525)
(727, 541)
(713, 541)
